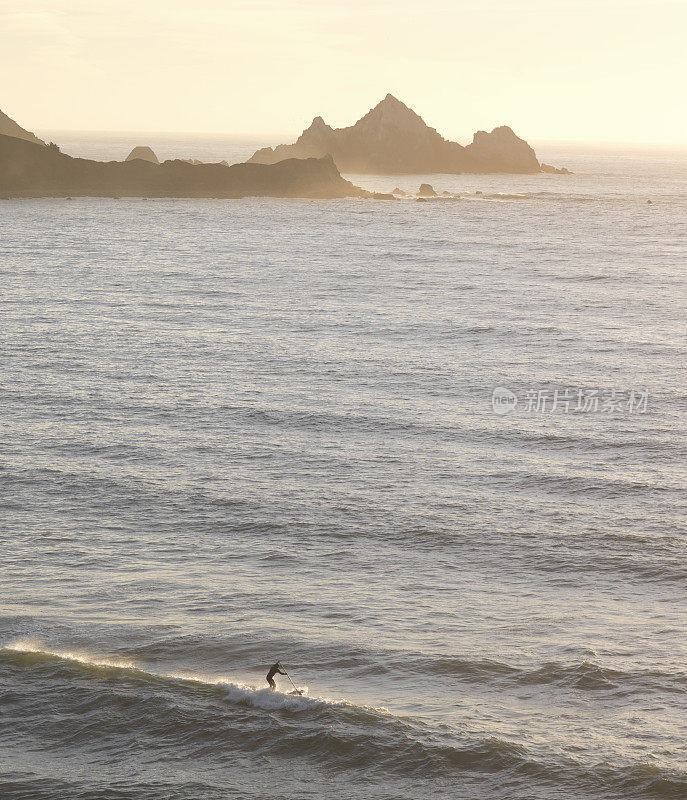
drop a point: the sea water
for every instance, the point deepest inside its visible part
(241, 430)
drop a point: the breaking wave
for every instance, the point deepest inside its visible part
(110, 701)
(233, 691)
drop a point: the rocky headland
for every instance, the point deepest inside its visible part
(8, 127)
(28, 169)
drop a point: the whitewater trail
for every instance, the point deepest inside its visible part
(234, 691)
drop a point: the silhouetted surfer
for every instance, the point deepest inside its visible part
(275, 669)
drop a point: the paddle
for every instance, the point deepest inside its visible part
(295, 689)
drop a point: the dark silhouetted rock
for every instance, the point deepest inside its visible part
(144, 153)
(555, 170)
(8, 127)
(392, 138)
(31, 170)
(426, 190)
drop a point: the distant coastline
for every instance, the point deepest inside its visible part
(34, 170)
(390, 139)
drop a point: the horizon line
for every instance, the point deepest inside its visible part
(282, 136)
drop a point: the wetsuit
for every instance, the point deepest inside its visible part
(274, 670)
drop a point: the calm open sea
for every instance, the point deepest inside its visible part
(241, 430)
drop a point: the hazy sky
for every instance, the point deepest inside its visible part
(591, 70)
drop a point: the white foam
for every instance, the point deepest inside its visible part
(267, 700)
(234, 691)
(261, 697)
(33, 646)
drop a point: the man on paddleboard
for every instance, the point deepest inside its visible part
(275, 669)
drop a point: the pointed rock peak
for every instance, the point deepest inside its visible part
(392, 117)
(318, 124)
(318, 131)
(391, 109)
(390, 103)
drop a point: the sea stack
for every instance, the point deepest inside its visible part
(426, 190)
(144, 154)
(392, 139)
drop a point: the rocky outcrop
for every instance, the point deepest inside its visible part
(144, 153)
(501, 151)
(426, 190)
(31, 170)
(8, 127)
(555, 170)
(393, 139)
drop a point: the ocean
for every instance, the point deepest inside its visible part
(432, 456)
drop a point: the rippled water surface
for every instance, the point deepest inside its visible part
(234, 431)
